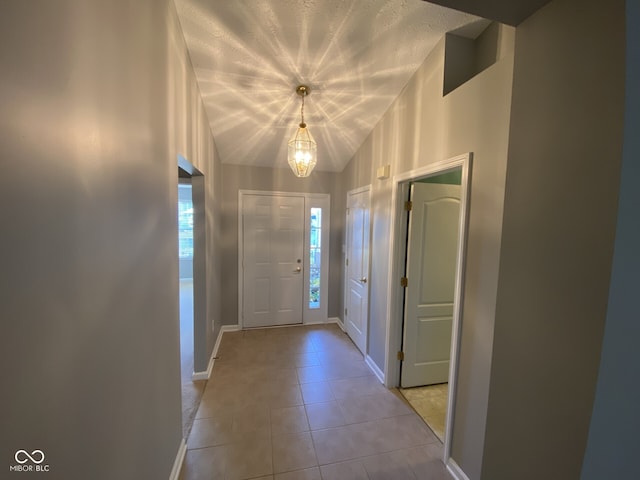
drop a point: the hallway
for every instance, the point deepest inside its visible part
(300, 403)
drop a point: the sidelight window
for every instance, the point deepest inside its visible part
(315, 257)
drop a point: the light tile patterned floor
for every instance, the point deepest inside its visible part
(430, 403)
(299, 403)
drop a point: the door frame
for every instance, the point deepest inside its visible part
(345, 278)
(200, 307)
(397, 251)
(322, 200)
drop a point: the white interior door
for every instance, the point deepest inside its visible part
(273, 246)
(431, 272)
(357, 266)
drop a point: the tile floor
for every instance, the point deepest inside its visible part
(299, 403)
(430, 403)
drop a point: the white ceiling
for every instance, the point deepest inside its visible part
(356, 55)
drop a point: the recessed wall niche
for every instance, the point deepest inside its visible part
(464, 58)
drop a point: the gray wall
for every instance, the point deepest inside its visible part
(98, 99)
(236, 178)
(423, 127)
(613, 446)
(563, 173)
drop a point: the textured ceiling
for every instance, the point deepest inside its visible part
(356, 55)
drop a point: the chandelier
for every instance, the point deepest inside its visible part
(302, 152)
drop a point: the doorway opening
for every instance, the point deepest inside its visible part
(192, 288)
(427, 262)
(185, 256)
(433, 206)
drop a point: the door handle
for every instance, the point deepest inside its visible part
(297, 270)
(363, 279)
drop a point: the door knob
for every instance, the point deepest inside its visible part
(297, 270)
(363, 279)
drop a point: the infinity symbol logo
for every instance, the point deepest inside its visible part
(32, 456)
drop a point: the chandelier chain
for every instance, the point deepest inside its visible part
(302, 148)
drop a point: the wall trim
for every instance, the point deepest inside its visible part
(455, 470)
(205, 375)
(315, 322)
(337, 320)
(197, 376)
(177, 463)
(374, 368)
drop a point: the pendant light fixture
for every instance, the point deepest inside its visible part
(302, 154)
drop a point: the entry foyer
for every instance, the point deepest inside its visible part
(300, 403)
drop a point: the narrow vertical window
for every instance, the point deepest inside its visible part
(315, 250)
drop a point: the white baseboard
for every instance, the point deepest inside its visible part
(455, 470)
(197, 376)
(315, 323)
(205, 375)
(374, 368)
(338, 321)
(223, 329)
(177, 463)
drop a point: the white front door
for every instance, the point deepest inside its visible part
(357, 265)
(273, 246)
(431, 272)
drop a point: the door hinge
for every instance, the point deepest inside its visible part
(404, 281)
(346, 262)
(401, 356)
(345, 312)
(408, 205)
(347, 211)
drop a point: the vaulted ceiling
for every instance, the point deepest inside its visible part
(356, 55)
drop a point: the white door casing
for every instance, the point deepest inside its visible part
(397, 262)
(357, 267)
(273, 247)
(432, 251)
